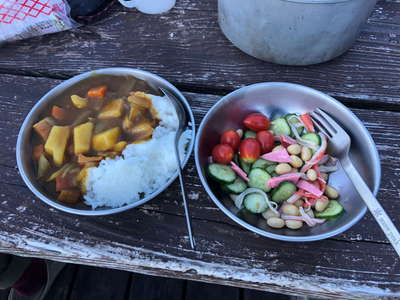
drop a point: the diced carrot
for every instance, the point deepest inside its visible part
(308, 123)
(97, 92)
(82, 159)
(71, 196)
(59, 113)
(37, 151)
(66, 182)
(42, 128)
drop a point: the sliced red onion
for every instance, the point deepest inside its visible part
(239, 200)
(292, 199)
(328, 169)
(210, 160)
(294, 218)
(299, 139)
(324, 159)
(317, 155)
(242, 174)
(306, 218)
(309, 187)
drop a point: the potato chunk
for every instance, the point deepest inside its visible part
(112, 109)
(135, 113)
(120, 146)
(56, 143)
(141, 99)
(42, 128)
(79, 102)
(106, 140)
(83, 137)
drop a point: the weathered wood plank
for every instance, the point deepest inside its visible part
(62, 287)
(200, 291)
(153, 238)
(99, 283)
(187, 47)
(143, 287)
(382, 125)
(259, 295)
(4, 294)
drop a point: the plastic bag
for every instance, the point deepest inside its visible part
(20, 19)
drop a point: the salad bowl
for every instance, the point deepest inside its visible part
(275, 99)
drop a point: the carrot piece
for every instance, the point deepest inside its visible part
(42, 128)
(59, 113)
(82, 159)
(97, 92)
(308, 123)
(37, 151)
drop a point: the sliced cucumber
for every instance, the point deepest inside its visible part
(312, 137)
(280, 126)
(221, 173)
(262, 164)
(283, 191)
(295, 122)
(244, 165)
(333, 209)
(249, 134)
(271, 169)
(255, 203)
(258, 179)
(237, 187)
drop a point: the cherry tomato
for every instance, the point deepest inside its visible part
(256, 122)
(250, 150)
(222, 154)
(231, 138)
(266, 140)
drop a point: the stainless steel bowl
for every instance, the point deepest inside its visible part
(23, 148)
(275, 99)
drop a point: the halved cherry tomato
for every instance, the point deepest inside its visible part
(250, 150)
(256, 122)
(231, 138)
(222, 154)
(266, 140)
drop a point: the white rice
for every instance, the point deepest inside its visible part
(142, 168)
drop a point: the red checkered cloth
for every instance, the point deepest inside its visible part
(11, 10)
(21, 19)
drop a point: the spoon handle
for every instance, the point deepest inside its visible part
(185, 204)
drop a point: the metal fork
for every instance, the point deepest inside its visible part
(339, 147)
(180, 111)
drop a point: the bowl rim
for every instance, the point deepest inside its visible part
(64, 85)
(375, 154)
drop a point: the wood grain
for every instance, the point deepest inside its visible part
(152, 239)
(200, 291)
(187, 47)
(155, 288)
(99, 283)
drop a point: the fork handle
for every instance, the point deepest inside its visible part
(373, 205)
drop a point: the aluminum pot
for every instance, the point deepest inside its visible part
(293, 32)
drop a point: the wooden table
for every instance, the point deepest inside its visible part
(187, 48)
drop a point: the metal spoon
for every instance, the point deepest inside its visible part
(180, 111)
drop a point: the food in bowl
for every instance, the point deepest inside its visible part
(278, 169)
(105, 147)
